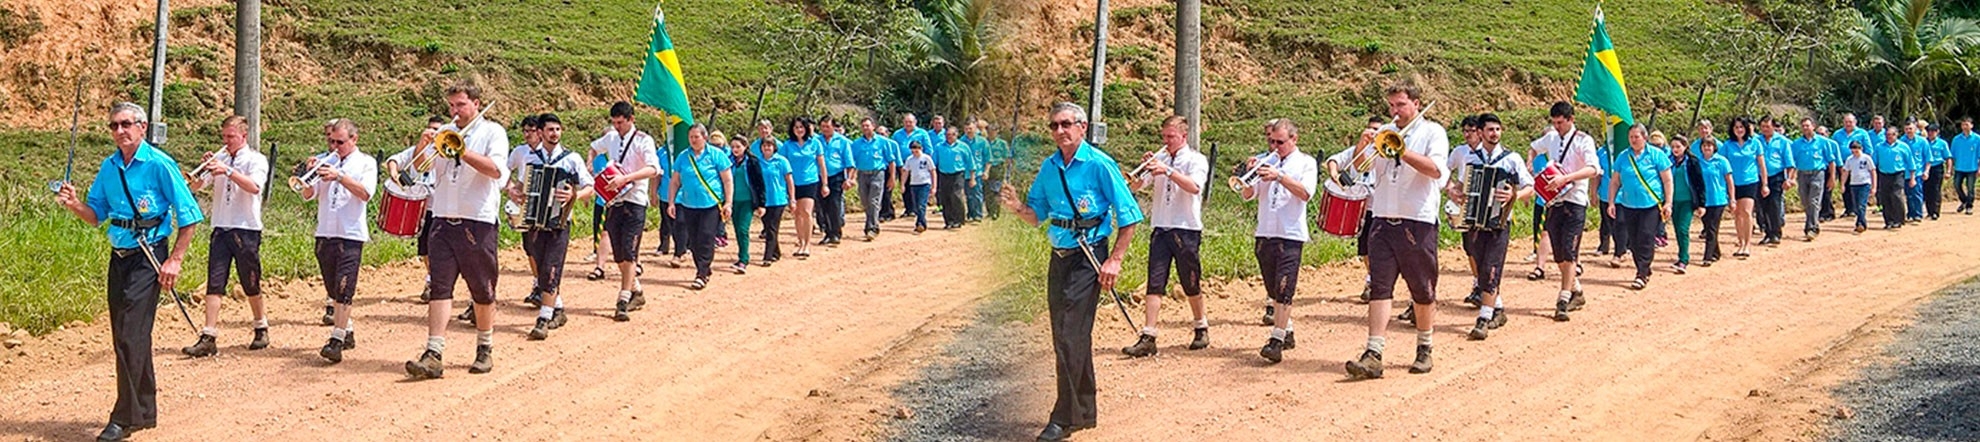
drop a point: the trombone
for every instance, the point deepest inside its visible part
(450, 144)
(1389, 143)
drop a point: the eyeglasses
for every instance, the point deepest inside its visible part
(337, 142)
(1279, 142)
(1056, 125)
(121, 125)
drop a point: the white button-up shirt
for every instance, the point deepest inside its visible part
(1570, 155)
(632, 153)
(234, 207)
(556, 157)
(1280, 214)
(1170, 207)
(339, 214)
(1400, 191)
(460, 192)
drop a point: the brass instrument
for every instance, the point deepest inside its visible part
(303, 176)
(199, 172)
(1389, 143)
(450, 144)
(1249, 177)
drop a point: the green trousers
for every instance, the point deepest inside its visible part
(742, 212)
(1681, 211)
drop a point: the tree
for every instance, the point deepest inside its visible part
(1909, 49)
(952, 55)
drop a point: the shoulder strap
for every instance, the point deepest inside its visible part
(1633, 167)
(1078, 234)
(694, 164)
(627, 146)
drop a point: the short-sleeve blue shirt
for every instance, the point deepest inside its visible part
(701, 178)
(804, 159)
(1640, 185)
(776, 191)
(1811, 154)
(1745, 159)
(903, 137)
(1714, 171)
(1097, 190)
(159, 188)
(873, 154)
(1894, 158)
(1966, 153)
(838, 154)
(952, 157)
(1778, 153)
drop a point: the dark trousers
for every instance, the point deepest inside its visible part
(1837, 179)
(1405, 249)
(1849, 199)
(1890, 196)
(338, 260)
(132, 289)
(1606, 231)
(464, 249)
(1772, 208)
(238, 249)
(546, 249)
(668, 246)
(887, 197)
(701, 226)
(1713, 215)
(949, 187)
(1935, 183)
(1487, 248)
(1963, 186)
(773, 219)
(1072, 293)
(1640, 228)
(831, 210)
(1278, 263)
(1181, 248)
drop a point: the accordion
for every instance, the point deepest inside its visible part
(1482, 211)
(541, 211)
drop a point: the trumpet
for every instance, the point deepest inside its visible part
(1389, 143)
(199, 172)
(450, 144)
(1249, 177)
(303, 176)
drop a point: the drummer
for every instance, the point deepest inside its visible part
(412, 182)
(546, 246)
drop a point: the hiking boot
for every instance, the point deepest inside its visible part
(1576, 302)
(1269, 317)
(638, 301)
(1561, 311)
(1273, 349)
(466, 315)
(1408, 314)
(428, 366)
(1498, 320)
(1145, 346)
(542, 330)
(205, 347)
(1291, 342)
(260, 339)
(1476, 299)
(329, 315)
(1202, 339)
(484, 359)
(620, 313)
(1368, 367)
(557, 319)
(1422, 364)
(535, 298)
(333, 350)
(1481, 331)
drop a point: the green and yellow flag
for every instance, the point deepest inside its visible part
(660, 82)
(1601, 84)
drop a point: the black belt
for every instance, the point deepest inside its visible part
(1070, 251)
(124, 252)
(1087, 223)
(138, 224)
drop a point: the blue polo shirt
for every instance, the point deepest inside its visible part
(776, 191)
(979, 154)
(904, 136)
(1778, 153)
(1843, 137)
(1639, 185)
(1812, 154)
(1920, 148)
(1602, 183)
(873, 154)
(1966, 153)
(701, 177)
(804, 159)
(952, 158)
(159, 188)
(1097, 189)
(1714, 171)
(1894, 158)
(1745, 159)
(1939, 153)
(838, 154)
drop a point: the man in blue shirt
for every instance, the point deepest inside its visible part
(832, 207)
(873, 156)
(1893, 176)
(1849, 133)
(1938, 156)
(1773, 207)
(996, 155)
(953, 161)
(1809, 166)
(140, 193)
(1965, 151)
(1080, 192)
(908, 134)
(978, 166)
(1914, 194)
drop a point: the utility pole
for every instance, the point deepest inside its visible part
(247, 66)
(1096, 130)
(1189, 67)
(157, 130)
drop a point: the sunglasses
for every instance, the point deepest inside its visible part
(1056, 125)
(121, 125)
(1279, 142)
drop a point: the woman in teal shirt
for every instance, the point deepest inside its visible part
(777, 196)
(1687, 195)
(1637, 185)
(1743, 152)
(1716, 176)
(700, 185)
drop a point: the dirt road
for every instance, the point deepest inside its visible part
(1698, 356)
(757, 356)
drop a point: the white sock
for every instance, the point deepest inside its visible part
(486, 338)
(261, 323)
(625, 295)
(1423, 338)
(1376, 343)
(1148, 331)
(1499, 303)
(338, 333)
(1565, 295)
(545, 312)
(1279, 333)
(436, 344)
(1485, 312)
(210, 331)
(1203, 323)
(560, 302)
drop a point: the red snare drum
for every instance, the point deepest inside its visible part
(1341, 209)
(1547, 175)
(404, 208)
(609, 194)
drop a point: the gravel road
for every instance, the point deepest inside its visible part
(1929, 388)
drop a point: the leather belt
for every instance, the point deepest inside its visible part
(139, 224)
(1076, 224)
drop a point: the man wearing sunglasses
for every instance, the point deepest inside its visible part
(142, 192)
(1079, 191)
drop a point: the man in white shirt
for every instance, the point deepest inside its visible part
(1286, 180)
(1403, 234)
(1175, 177)
(236, 174)
(466, 201)
(346, 179)
(546, 245)
(625, 216)
(1567, 213)
(1486, 246)
(404, 168)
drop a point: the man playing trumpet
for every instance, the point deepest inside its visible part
(466, 202)
(1285, 181)
(347, 178)
(235, 173)
(1174, 176)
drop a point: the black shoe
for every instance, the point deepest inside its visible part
(1576, 301)
(1408, 315)
(205, 347)
(1480, 331)
(621, 313)
(557, 319)
(1145, 346)
(1272, 350)
(1366, 293)
(638, 301)
(1201, 341)
(1368, 367)
(1056, 433)
(484, 359)
(535, 298)
(113, 432)
(1422, 364)
(329, 315)
(1269, 317)
(426, 294)
(699, 283)
(1560, 311)
(1291, 342)
(333, 350)
(260, 339)
(541, 331)
(428, 366)
(466, 315)
(1476, 299)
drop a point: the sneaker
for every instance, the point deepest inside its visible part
(1476, 299)
(919, 229)
(1678, 268)
(1408, 314)
(1273, 349)
(1368, 367)
(740, 268)
(1366, 293)
(1269, 317)
(260, 339)
(329, 315)
(1481, 330)
(542, 330)
(1201, 341)
(679, 261)
(427, 367)
(1422, 364)
(638, 301)
(621, 313)
(557, 319)
(426, 294)
(699, 283)
(1145, 346)
(1560, 311)
(535, 298)
(466, 315)
(1860, 229)
(484, 359)
(206, 346)
(1576, 301)
(333, 350)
